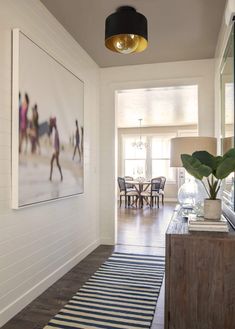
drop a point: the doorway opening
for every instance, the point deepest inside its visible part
(144, 154)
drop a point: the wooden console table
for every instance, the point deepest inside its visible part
(200, 278)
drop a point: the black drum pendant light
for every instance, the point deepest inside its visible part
(126, 31)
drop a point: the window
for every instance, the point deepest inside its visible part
(161, 158)
(134, 159)
(149, 162)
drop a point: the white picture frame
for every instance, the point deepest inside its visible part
(47, 126)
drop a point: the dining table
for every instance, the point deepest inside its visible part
(140, 186)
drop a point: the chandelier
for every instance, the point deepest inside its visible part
(139, 144)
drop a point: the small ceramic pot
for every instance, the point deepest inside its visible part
(212, 209)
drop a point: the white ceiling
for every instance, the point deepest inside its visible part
(168, 106)
(178, 29)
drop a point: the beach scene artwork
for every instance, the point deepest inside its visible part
(50, 136)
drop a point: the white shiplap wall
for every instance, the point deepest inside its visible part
(40, 243)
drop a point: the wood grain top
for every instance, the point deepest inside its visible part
(179, 225)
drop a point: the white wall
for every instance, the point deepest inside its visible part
(144, 76)
(39, 244)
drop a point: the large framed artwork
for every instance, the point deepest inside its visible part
(47, 126)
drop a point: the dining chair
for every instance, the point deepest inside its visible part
(162, 187)
(129, 186)
(125, 193)
(152, 193)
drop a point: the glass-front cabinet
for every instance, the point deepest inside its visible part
(227, 120)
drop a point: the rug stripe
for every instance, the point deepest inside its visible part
(120, 286)
(108, 302)
(99, 324)
(127, 257)
(127, 271)
(104, 305)
(136, 270)
(108, 296)
(101, 318)
(109, 291)
(130, 255)
(138, 284)
(114, 294)
(122, 294)
(118, 299)
(127, 278)
(114, 289)
(135, 263)
(108, 307)
(116, 286)
(124, 275)
(134, 267)
(139, 256)
(126, 315)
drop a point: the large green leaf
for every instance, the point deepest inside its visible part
(205, 158)
(229, 154)
(208, 159)
(218, 160)
(227, 165)
(194, 167)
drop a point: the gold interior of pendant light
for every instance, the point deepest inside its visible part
(126, 43)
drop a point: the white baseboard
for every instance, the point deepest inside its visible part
(107, 241)
(170, 200)
(12, 309)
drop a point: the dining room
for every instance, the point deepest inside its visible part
(147, 185)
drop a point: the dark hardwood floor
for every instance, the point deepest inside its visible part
(139, 231)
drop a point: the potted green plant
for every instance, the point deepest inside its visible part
(210, 170)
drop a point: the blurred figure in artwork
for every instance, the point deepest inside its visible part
(77, 141)
(23, 124)
(56, 146)
(35, 119)
(20, 105)
(82, 141)
(32, 136)
(34, 130)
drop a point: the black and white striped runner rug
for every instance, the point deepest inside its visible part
(122, 294)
